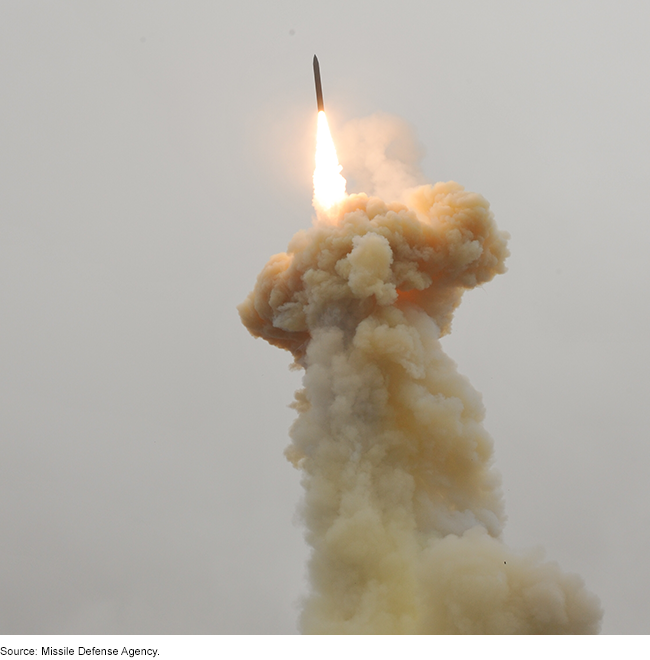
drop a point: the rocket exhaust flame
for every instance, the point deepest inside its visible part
(329, 185)
(402, 506)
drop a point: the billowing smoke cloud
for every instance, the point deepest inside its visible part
(403, 508)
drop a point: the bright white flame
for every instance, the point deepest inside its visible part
(329, 185)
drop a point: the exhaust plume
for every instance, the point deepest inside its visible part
(329, 185)
(403, 508)
(382, 155)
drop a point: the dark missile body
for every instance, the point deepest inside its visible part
(319, 89)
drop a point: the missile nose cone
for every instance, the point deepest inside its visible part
(319, 89)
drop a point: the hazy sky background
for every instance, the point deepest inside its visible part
(154, 155)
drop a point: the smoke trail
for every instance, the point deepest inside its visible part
(403, 508)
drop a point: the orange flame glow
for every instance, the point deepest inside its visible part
(329, 185)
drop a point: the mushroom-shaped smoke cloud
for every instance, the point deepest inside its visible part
(403, 508)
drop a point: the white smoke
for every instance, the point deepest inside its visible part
(381, 154)
(402, 506)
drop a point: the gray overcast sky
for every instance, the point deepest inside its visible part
(154, 154)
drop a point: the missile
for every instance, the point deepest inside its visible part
(319, 89)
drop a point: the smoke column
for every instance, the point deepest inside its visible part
(403, 508)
